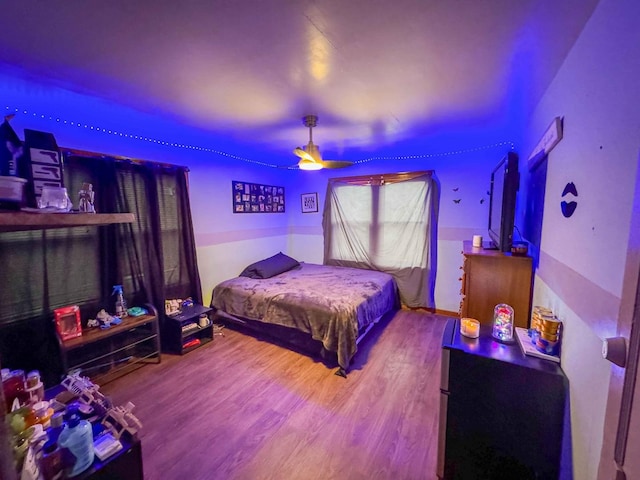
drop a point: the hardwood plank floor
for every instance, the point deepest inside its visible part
(243, 408)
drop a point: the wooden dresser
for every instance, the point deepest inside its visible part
(491, 277)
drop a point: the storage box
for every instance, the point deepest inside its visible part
(67, 321)
(44, 164)
(12, 189)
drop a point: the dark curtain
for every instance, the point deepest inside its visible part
(153, 258)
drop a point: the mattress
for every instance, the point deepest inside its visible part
(332, 304)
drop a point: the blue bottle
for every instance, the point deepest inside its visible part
(121, 304)
(77, 438)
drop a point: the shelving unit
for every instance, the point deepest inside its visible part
(16, 221)
(101, 354)
(182, 328)
(105, 354)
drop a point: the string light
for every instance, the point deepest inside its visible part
(97, 128)
(441, 154)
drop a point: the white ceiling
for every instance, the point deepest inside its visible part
(375, 72)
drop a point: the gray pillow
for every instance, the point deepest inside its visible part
(270, 267)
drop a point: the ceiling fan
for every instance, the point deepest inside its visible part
(310, 158)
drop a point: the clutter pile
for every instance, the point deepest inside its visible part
(59, 437)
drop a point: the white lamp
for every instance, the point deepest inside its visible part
(305, 164)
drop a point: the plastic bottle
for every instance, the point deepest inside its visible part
(77, 438)
(121, 305)
(51, 461)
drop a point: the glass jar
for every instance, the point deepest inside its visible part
(503, 319)
(13, 385)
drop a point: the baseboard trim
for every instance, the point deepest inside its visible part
(447, 313)
(436, 311)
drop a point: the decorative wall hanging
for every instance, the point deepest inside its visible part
(309, 202)
(550, 139)
(256, 198)
(569, 207)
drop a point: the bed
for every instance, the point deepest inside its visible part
(334, 305)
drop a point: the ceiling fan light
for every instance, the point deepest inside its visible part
(304, 164)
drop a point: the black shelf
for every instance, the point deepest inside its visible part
(203, 341)
(173, 338)
(195, 330)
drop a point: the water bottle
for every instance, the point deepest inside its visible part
(121, 305)
(77, 438)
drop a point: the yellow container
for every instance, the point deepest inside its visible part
(537, 314)
(550, 324)
(549, 337)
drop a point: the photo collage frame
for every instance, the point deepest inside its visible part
(257, 198)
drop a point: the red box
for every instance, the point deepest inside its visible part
(68, 322)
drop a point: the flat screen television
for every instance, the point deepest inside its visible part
(505, 181)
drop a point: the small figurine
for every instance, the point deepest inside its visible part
(86, 197)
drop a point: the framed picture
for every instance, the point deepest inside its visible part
(309, 202)
(255, 198)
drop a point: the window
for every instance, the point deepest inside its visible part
(387, 223)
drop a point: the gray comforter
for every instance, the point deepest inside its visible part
(332, 304)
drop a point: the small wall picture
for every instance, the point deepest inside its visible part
(309, 202)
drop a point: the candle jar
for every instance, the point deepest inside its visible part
(470, 327)
(34, 387)
(503, 319)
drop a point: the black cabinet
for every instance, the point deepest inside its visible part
(503, 415)
(189, 329)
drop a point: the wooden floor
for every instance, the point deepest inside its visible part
(243, 408)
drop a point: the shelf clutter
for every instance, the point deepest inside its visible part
(107, 353)
(71, 430)
(544, 338)
(528, 348)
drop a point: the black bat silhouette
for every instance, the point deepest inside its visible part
(457, 201)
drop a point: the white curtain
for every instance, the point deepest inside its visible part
(387, 223)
